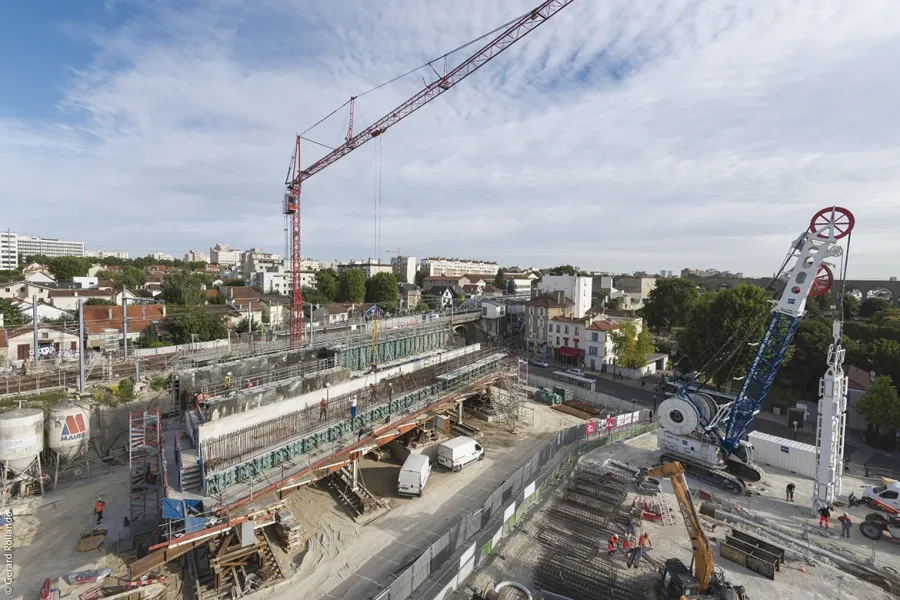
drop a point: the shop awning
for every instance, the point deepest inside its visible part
(566, 351)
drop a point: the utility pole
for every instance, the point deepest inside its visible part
(124, 324)
(34, 325)
(81, 345)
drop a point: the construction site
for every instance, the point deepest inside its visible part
(410, 460)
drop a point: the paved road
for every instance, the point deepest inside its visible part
(858, 452)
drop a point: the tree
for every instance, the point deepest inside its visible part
(670, 302)
(889, 317)
(186, 320)
(851, 307)
(99, 302)
(351, 286)
(734, 318)
(885, 357)
(12, 314)
(314, 296)
(128, 276)
(64, 268)
(880, 405)
(423, 306)
(631, 347)
(500, 279)
(243, 326)
(381, 289)
(149, 337)
(182, 287)
(327, 284)
(871, 306)
(810, 351)
(420, 278)
(563, 270)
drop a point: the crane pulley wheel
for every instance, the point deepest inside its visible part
(822, 283)
(843, 222)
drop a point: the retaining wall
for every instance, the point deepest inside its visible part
(595, 398)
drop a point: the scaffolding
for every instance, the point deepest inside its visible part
(147, 471)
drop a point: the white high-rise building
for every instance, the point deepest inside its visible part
(9, 251)
(576, 288)
(224, 256)
(195, 256)
(404, 268)
(457, 267)
(32, 245)
(105, 254)
(161, 256)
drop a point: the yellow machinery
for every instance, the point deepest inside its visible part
(703, 559)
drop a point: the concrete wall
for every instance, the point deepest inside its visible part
(109, 425)
(618, 405)
(234, 422)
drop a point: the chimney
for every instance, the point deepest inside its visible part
(109, 313)
(559, 296)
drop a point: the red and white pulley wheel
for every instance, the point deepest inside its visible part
(822, 283)
(843, 222)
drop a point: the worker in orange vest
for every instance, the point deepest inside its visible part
(98, 509)
(626, 545)
(612, 544)
(644, 541)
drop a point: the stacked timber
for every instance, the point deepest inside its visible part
(288, 530)
(567, 394)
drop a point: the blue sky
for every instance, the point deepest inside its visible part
(621, 135)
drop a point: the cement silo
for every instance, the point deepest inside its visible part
(21, 437)
(67, 431)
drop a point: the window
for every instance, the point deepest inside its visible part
(557, 340)
(567, 329)
(890, 495)
(576, 331)
(594, 336)
(557, 329)
(592, 350)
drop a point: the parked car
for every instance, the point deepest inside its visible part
(456, 453)
(540, 363)
(414, 475)
(578, 372)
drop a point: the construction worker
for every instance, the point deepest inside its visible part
(612, 545)
(846, 524)
(323, 409)
(98, 509)
(644, 541)
(789, 492)
(353, 406)
(824, 516)
(227, 381)
(634, 557)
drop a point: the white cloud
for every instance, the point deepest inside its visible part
(618, 135)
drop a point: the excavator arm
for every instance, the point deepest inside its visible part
(703, 558)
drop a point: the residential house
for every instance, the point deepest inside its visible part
(519, 284)
(26, 289)
(51, 340)
(40, 275)
(538, 313)
(493, 314)
(444, 296)
(490, 290)
(101, 321)
(599, 344)
(84, 283)
(444, 280)
(565, 335)
(251, 308)
(409, 296)
(45, 312)
(331, 314)
(68, 299)
(240, 292)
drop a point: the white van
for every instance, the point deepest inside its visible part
(454, 454)
(414, 475)
(884, 497)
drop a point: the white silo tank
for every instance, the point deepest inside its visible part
(21, 437)
(68, 430)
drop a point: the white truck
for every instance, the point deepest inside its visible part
(456, 453)
(884, 497)
(414, 475)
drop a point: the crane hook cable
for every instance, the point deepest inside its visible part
(411, 71)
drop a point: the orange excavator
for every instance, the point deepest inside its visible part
(676, 580)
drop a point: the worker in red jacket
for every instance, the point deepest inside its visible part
(612, 545)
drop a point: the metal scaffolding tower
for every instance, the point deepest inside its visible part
(831, 425)
(146, 465)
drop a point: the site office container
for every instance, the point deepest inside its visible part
(782, 453)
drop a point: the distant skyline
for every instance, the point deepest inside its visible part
(622, 135)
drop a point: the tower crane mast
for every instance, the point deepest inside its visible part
(511, 34)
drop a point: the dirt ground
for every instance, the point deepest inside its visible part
(338, 547)
(816, 581)
(45, 532)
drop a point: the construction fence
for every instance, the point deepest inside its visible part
(449, 561)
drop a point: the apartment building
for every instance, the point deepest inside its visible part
(369, 267)
(9, 251)
(161, 256)
(404, 268)
(539, 312)
(576, 288)
(222, 255)
(255, 260)
(457, 266)
(195, 256)
(32, 245)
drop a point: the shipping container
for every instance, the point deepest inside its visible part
(782, 453)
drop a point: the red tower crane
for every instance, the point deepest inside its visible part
(296, 175)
